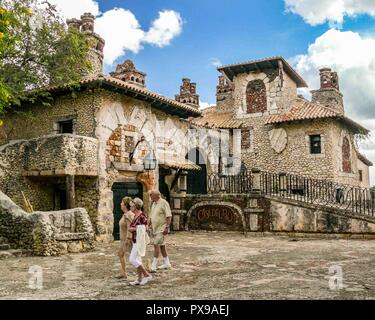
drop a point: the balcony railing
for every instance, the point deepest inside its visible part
(308, 190)
(241, 183)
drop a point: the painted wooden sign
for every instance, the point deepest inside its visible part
(218, 214)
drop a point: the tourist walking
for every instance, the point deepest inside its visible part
(138, 227)
(160, 222)
(125, 235)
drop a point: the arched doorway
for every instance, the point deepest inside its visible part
(197, 180)
(121, 190)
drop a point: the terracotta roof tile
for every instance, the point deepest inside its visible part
(303, 110)
(181, 164)
(219, 120)
(306, 110)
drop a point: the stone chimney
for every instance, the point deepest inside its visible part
(128, 73)
(329, 93)
(86, 26)
(224, 94)
(188, 93)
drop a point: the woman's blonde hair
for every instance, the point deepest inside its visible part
(126, 202)
(138, 203)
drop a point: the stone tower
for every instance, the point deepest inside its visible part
(224, 94)
(188, 93)
(128, 73)
(329, 93)
(96, 43)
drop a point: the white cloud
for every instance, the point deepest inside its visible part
(120, 28)
(205, 105)
(316, 12)
(353, 57)
(75, 8)
(164, 29)
(215, 62)
(121, 31)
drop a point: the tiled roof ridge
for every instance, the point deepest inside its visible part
(150, 93)
(251, 61)
(125, 85)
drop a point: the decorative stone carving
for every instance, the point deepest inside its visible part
(278, 139)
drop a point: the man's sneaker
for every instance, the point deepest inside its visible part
(145, 280)
(165, 266)
(135, 283)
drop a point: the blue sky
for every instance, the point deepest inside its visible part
(215, 30)
(173, 39)
(229, 31)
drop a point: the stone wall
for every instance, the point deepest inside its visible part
(291, 216)
(264, 213)
(291, 152)
(40, 120)
(33, 166)
(339, 133)
(280, 91)
(45, 233)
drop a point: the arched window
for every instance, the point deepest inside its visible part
(346, 163)
(256, 97)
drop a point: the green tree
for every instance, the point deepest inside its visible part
(36, 50)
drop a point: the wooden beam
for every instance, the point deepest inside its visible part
(70, 192)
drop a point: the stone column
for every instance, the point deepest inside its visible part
(70, 192)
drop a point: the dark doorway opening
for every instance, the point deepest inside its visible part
(121, 190)
(197, 180)
(163, 187)
(59, 199)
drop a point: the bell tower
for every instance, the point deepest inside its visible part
(128, 73)
(86, 26)
(224, 94)
(329, 93)
(188, 93)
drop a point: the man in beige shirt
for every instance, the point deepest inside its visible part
(160, 220)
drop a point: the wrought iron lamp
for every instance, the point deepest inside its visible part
(150, 161)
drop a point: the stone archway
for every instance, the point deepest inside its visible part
(218, 213)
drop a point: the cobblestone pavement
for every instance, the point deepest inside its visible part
(206, 265)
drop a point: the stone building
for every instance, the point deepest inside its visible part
(88, 148)
(282, 131)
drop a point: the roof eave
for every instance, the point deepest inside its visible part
(158, 103)
(257, 65)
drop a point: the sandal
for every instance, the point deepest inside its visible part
(121, 276)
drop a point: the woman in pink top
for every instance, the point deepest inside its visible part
(135, 258)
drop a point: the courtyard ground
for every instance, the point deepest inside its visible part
(206, 265)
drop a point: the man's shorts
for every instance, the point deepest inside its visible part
(159, 239)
